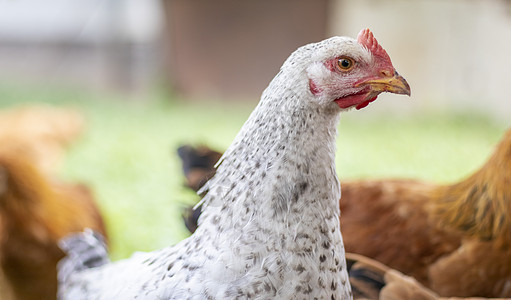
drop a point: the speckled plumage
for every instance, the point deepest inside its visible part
(270, 224)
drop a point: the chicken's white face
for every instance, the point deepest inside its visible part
(352, 73)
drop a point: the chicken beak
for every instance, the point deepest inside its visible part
(395, 84)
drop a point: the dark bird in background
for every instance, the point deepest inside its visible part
(198, 164)
(198, 167)
(453, 238)
(201, 160)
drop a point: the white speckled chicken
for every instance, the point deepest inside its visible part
(270, 223)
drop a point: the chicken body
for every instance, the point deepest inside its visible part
(34, 214)
(453, 238)
(270, 219)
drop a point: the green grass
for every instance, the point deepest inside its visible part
(128, 154)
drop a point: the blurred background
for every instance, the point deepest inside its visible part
(150, 75)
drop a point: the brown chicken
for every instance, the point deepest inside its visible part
(34, 214)
(454, 239)
(42, 132)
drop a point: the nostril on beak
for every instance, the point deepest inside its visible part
(386, 73)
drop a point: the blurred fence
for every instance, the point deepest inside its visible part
(88, 43)
(455, 54)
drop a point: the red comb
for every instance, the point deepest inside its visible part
(367, 39)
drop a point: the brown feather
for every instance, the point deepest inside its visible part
(36, 211)
(41, 132)
(34, 214)
(386, 220)
(480, 205)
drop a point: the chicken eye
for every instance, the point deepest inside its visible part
(345, 64)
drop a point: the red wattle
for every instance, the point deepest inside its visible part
(365, 103)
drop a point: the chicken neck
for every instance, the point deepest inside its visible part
(273, 203)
